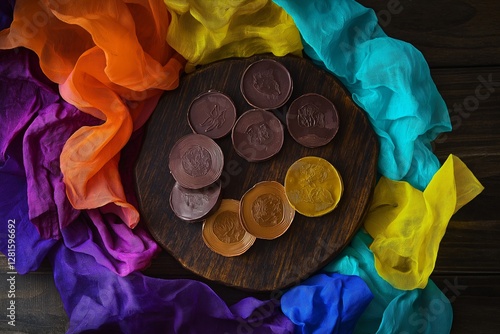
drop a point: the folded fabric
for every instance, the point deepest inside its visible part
(35, 112)
(326, 303)
(392, 310)
(111, 60)
(99, 301)
(407, 225)
(36, 122)
(389, 79)
(206, 31)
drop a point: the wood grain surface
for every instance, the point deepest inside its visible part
(310, 242)
(461, 41)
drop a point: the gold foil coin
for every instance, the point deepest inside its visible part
(313, 186)
(223, 233)
(265, 211)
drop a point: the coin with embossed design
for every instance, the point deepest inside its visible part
(313, 186)
(194, 205)
(212, 114)
(312, 120)
(266, 84)
(265, 211)
(196, 161)
(257, 135)
(223, 233)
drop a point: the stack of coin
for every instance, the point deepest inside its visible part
(266, 84)
(312, 120)
(195, 162)
(212, 114)
(257, 135)
(223, 233)
(313, 186)
(265, 211)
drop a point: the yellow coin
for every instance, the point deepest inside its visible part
(313, 186)
(223, 233)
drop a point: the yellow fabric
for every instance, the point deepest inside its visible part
(407, 225)
(205, 31)
(110, 59)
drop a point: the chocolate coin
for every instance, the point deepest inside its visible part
(312, 120)
(212, 114)
(193, 205)
(223, 233)
(265, 211)
(313, 186)
(196, 161)
(257, 135)
(266, 84)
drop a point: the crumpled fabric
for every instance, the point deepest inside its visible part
(392, 310)
(30, 248)
(111, 60)
(388, 78)
(97, 259)
(33, 110)
(97, 300)
(36, 122)
(206, 31)
(326, 303)
(407, 225)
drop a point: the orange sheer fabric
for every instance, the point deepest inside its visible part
(110, 59)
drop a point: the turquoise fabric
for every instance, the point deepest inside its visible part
(326, 303)
(391, 310)
(388, 78)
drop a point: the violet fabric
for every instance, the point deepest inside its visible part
(33, 109)
(36, 115)
(99, 301)
(326, 303)
(6, 12)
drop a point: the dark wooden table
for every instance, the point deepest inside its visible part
(461, 42)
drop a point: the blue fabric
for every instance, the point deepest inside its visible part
(326, 303)
(388, 78)
(391, 310)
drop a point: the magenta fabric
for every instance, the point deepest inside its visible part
(39, 122)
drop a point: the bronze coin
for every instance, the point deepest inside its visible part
(257, 135)
(212, 114)
(265, 211)
(266, 84)
(223, 233)
(194, 205)
(196, 161)
(312, 120)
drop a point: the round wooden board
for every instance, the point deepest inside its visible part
(310, 243)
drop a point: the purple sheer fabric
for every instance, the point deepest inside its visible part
(36, 115)
(97, 299)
